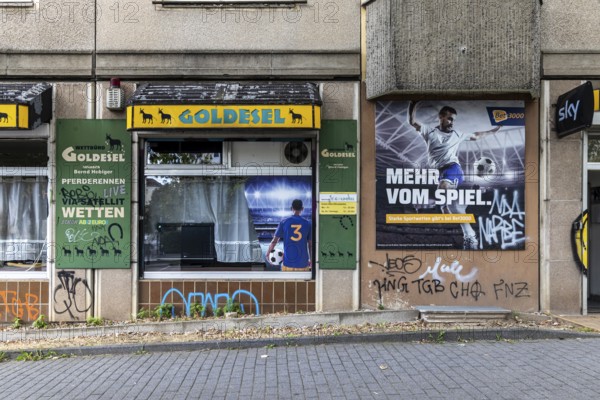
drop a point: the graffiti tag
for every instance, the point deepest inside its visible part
(19, 308)
(208, 298)
(66, 294)
(507, 226)
(454, 268)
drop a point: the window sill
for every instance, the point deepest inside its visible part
(232, 276)
(24, 276)
(16, 4)
(228, 3)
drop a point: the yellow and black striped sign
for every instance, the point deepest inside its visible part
(14, 116)
(25, 105)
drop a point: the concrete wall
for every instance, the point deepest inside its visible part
(570, 44)
(570, 38)
(315, 39)
(142, 26)
(71, 291)
(462, 46)
(338, 290)
(77, 294)
(52, 38)
(561, 202)
(569, 25)
(138, 38)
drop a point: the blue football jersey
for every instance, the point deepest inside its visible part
(295, 232)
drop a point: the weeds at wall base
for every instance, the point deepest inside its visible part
(17, 323)
(439, 338)
(164, 311)
(94, 321)
(196, 311)
(586, 329)
(38, 355)
(40, 322)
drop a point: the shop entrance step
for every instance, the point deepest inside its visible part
(461, 314)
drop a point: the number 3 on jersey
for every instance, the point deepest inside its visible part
(297, 234)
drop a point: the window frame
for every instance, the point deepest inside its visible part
(41, 133)
(17, 3)
(160, 168)
(26, 274)
(228, 3)
(225, 169)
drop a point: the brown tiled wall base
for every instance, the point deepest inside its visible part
(26, 300)
(272, 296)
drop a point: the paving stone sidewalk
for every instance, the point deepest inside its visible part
(528, 369)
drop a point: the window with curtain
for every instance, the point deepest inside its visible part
(23, 219)
(207, 208)
(23, 205)
(198, 220)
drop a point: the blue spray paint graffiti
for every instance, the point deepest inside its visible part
(206, 298)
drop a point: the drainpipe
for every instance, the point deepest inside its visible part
(356, 284)
(135, 221)
(544, 301)
(90, 274)
(51, 229)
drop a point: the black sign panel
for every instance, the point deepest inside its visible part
(575, 110)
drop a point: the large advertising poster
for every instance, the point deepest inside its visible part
(269, 202)
(93, 194)
(450, 174)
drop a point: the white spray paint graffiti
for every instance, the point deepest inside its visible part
(507, 226)
(454, 268)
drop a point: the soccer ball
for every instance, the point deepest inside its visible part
(485, 166)
(275, 257)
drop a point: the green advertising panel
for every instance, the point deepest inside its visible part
(93, 194)
(338, 197)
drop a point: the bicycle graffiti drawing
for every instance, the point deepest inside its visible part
(69, 292)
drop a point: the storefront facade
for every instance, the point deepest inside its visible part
(114, 232)
(380, 236)
(449, 139)
(569, 172)
(219, 167)
(25, 183)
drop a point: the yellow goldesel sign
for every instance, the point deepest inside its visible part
(14, 116)
(197, 116)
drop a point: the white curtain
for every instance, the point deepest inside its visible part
(23, 218)
(218, 200)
